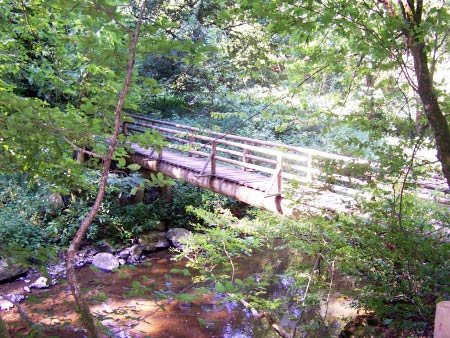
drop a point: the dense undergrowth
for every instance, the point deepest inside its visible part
(395, 254)
(399, 263)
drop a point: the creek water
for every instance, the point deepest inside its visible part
(141, 301)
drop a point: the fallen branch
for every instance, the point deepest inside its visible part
(260, 315)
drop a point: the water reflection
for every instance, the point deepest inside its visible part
(142, 301)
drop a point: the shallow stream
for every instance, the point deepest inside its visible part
(140, 301)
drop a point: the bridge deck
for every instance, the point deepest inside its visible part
(245, 178)
(256, 183)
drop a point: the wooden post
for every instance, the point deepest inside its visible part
(124, 128)
(213, 157)
(166, 193)
(80, 157)
(309, 165)
(279, 171)
(160, 154)
(442, 320)
(191, 140)
(276, 179)
(244, 158)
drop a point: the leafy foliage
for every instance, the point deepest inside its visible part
(400, 265)
(22, 210)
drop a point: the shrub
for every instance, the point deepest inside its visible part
(402, 264)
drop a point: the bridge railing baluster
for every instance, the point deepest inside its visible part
(191, 142)
(277, 179)
(213, 157)
(309, 165)
(245, 153)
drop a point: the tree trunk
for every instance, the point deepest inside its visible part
(3, 329)
(435, 117)
(86, 315)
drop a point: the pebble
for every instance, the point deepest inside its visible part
(40, 283)
(5, 305)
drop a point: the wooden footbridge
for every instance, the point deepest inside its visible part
(268, 175)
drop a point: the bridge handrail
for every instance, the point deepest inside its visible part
(312, 152)
(276, 161)
(271, 152)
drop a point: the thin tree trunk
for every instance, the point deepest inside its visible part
(4, 333)
(86, 315)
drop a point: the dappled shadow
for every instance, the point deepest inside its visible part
(132, 302)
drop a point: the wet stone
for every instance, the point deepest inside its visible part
(153, 241)
(178, 237)
(105, 261)
(40, 283)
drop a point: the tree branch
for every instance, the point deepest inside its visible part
(82, 150)
(260, 315)
(230, 259)
(112, 16)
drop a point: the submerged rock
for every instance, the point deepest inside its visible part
(105, 261)
(6, 302)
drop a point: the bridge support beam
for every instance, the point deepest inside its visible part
(245, 194)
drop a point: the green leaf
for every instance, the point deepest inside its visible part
(186, 297)
(121, 162)
(135, 284)
(202, 322)
(134, 190)
(185, 272)
(134, 166)
(220, 287)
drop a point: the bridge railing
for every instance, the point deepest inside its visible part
(282, 163)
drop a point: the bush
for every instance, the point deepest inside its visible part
(125, 223)
(22, 209)
(188, 196)
(402, 264)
